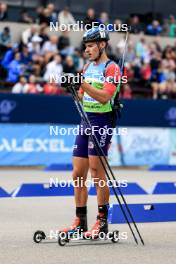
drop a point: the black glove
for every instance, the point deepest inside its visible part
(70, 80)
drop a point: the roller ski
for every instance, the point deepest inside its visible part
(98, 232)
(78, 226)
(39, 236)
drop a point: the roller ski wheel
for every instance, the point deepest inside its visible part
(115, 236)
(39, 236)
(62, 240)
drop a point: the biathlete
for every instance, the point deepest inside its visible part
(96, 92)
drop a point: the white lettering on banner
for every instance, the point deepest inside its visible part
(28, 145)
(54, 145)
(5, 145)
(15, 145)
(33, 145)
(41, 145)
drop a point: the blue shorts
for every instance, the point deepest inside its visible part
(84, 145)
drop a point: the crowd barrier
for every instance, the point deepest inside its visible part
(20, 108)
(66, 188)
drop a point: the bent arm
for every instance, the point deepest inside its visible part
(112, 76)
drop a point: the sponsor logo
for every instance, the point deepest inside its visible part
(33, 145)
(6, 107)
(171, 115)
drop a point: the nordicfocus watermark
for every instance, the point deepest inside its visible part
(80, 182)
(81, 26)
(88, 131)
(79, 78)
(78, 234)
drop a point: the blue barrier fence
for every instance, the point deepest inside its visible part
(66, 188)
(20, 108)
(143, 213)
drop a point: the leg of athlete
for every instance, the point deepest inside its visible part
(99, 178)
(100, 181)
(79, 176)
(80, 169)
(98, 175)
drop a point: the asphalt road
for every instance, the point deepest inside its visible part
(21, 217)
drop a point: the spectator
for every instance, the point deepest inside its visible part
(117, 24)
(15, 69)
(129, 71)
(52, 88)
(3, 12)
(53, 69)
(135, 24)
(49, 48)
(146, 63)
(9, 55)
(52, 12)
(39, 13)
(78, 60)
(154, 64)
(43, 34)
(29, 33)
(26, 56)
(64, 41)
(104, 18)
(32, 87)
(64, 44)
(65, 17)
(130, 53)
(172, 27)
(126, 92)
(45, 16)
(90, 18)
(165, 82)
(19, 87)
(168, 57)
(69, 66)
(37, 66)
(154, 29)
(120, 47)
(25, 17)
(155, 46)
(34, 46)
(142, 49)
(145, 72)
(5, 40)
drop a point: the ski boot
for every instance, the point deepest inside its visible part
(99, 228)
(78, 226)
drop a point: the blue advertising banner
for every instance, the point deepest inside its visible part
(32, 144)
(146, 146)
(172, 160)
(30, 108)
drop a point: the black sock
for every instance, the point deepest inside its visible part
(81, 211)
(103, 210)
